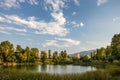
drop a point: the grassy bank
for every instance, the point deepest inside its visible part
(107, 74)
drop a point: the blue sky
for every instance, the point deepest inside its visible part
(72, 25)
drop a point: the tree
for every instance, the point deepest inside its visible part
(35, 52)
(85, 58)
(27, 54)
(19, 48)
(1, 54)
(75, 58)
(108, 50)
(19, 54)
(101, 53)
(115, 44)
(6, 51)
(49, 54)
(98, 55)
(55, 57)
(64, 54)
(11, 54)
(43, 56)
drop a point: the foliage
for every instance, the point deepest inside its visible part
(63, 54)
(9, 55)
(85, 58)
(7, 51)
(116, 46)
(55, 57)
(101, 53)
(43, 56)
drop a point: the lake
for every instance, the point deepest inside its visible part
(52, 69)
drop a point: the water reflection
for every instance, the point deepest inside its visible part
(62, 69)
(52, 69)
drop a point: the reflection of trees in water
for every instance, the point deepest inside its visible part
(51, 68)
(64, 67)
(92, 68)
(55, 67)
(23, 67)
(32, 67)
(43, 68)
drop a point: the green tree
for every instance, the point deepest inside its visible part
(85, 58)
(43, 56)
(19, 48)
(11, 54)
(108, 51)
(19, 54)
(115, 44)
(98, 55)
(75, 58)
(55, 57)
(64, 54)
(49, 54)
(1, 54)
(6, 49)
(101, 53)
(34, 54)
(27, 54)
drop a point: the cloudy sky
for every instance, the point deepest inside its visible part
(72, 25)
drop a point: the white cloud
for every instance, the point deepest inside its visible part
(59, 18)
(100, 2)
(54, 27)
(61, 42)
(2, 28)
(9, 3)
(76, 2)
(15, 3)
(22, 34)
(116, 19)
(4, 32)
(74, 13)
(41, 27)
(55, 5)
(2, 19)
(33, 2)
(75, 24)
(21, 0)
(16, 29)
(81, 24)
(51, 43)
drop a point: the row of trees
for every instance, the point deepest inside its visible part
(27, 55)
(111, 52)
(19, 55)
(55, 57)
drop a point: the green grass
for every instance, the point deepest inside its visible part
(107, 74)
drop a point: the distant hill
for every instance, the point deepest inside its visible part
(82, 53)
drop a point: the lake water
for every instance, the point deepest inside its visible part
(59, 69)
